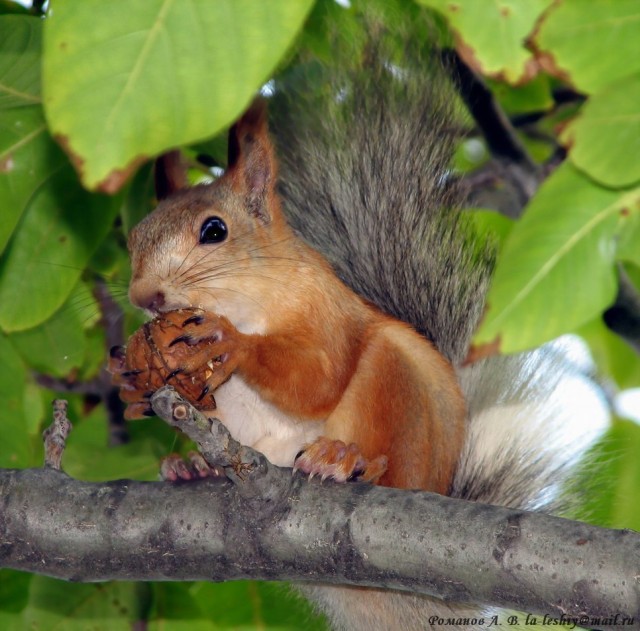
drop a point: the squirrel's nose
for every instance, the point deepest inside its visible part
(149, 299)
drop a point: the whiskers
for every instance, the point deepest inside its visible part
(214, 292)
(99, 303)
(221, 263)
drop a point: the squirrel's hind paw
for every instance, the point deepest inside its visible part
(174, 468)
(334, 459)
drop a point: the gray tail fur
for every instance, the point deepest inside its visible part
(365, 175)
(365, 178)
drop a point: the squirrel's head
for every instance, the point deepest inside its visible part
(216, 246)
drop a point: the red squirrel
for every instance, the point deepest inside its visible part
(365, 180)
(311, 374)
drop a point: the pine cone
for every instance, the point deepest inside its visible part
(149, 362)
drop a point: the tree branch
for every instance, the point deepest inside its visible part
(514, 165)
(267, 524)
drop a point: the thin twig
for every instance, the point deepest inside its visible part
(245, 467)
(55, 436)
(112, 321)
(499, 133)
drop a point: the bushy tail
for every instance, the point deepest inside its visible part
(366, 179)
(532, 417)
(365, 176)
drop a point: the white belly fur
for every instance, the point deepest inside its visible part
(257, 423)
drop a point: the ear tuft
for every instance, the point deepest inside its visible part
(170, 174)
(251, 159)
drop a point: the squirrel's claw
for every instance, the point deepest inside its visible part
(336, 460)
(174, 468)
(187, 339)
(203, 394)
(195, 319)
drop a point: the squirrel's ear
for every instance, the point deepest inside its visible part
(170, 174)
(251, 160)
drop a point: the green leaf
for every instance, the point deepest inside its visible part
(28, 158)
(58, 345)
(14, 595)
(556, 269)
(174, 609)
(27, 154)
(55, 347)
(126, 80)
(35, 411)
(632, 270)
(94, 359)
(612, 479)
(15, 436)
(13, 590)
(139, 459)
(629, 243)
(614, 358)
(55, 604)
(61, 229)
(21, 39)
(492, 33)
(533, 96)
(251, 604)
(591, 42)
(604, 141)
(234, 605)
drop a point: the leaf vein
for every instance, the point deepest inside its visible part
(137, 68)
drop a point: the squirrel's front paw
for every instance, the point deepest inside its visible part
(153, 359)
(220, 348)
(341, 462)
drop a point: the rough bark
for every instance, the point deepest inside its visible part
(265, 523)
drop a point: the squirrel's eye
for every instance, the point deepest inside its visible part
(213, 230)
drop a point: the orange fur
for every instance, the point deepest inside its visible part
(293, 332)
